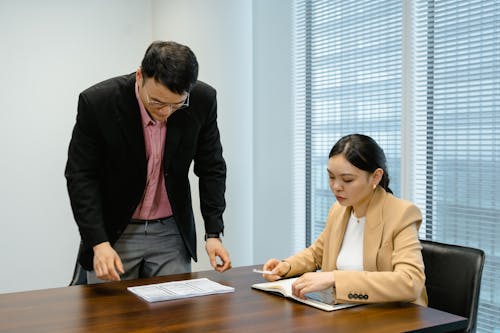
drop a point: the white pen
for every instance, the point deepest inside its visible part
(262, 272)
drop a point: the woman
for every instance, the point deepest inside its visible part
(369, 251)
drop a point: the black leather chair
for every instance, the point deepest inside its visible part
(79, 273)
(453, 279)
(79, 276)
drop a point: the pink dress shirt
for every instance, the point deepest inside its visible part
(154, 203)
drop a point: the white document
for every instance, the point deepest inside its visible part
(179, 289)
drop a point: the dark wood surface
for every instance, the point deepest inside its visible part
(110, 307)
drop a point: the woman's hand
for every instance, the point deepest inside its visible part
(279, 269)
(310, 282)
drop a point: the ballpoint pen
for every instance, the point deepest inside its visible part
(262, 272)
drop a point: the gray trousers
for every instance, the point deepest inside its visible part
(150, 249)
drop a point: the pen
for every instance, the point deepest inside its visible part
(262, 272)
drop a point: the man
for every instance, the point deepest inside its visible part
(127, 171)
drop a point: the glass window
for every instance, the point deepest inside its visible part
(352, 76)
(348, 80)
(457, 116)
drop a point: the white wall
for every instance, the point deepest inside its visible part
(50, 51)
(220, 34)
(244, 51)
(273, 112)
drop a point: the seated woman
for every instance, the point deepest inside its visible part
(369, 251)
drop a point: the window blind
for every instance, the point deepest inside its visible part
(350, 77)
(457, 113)
(347, 80)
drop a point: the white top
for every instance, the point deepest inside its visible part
(351, 252)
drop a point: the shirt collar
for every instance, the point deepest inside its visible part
(146, 118)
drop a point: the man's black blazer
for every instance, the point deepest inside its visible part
(106, 167)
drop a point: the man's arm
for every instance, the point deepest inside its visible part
(82, 175)
(210, 167)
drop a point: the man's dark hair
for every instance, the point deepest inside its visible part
(171, 64)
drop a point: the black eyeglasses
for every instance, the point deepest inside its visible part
(172, 106)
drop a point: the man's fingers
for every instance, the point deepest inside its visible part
(119, 265)
(226, 264)
(107, 262)
(213, 262)
(108, 270)
(108, 273)
(216, 250)
(226, 261)
(224, 257)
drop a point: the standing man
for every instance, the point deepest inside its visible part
(127, 171)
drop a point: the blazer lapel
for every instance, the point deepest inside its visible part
(128, 116)
(373, 230)
(339, 232)
(176, 123)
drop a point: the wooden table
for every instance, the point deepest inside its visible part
(110, 307)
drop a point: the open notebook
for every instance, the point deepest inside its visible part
(321, 299)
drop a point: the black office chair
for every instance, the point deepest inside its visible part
(79, 273)
(79, 276)
(453, 279)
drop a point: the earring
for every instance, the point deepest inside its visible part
(374, 186)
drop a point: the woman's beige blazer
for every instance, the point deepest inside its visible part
(392, 257)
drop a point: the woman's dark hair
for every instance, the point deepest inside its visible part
(364, 153)
(172, 64)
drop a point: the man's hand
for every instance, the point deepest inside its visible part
(310, 282)
(215, 249)
(107, 262)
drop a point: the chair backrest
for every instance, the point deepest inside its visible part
(79, 275)
(453, 279)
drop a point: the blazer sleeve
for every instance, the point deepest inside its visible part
(210, 167)
(404, 282)
(311, 258)
(82, 175)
